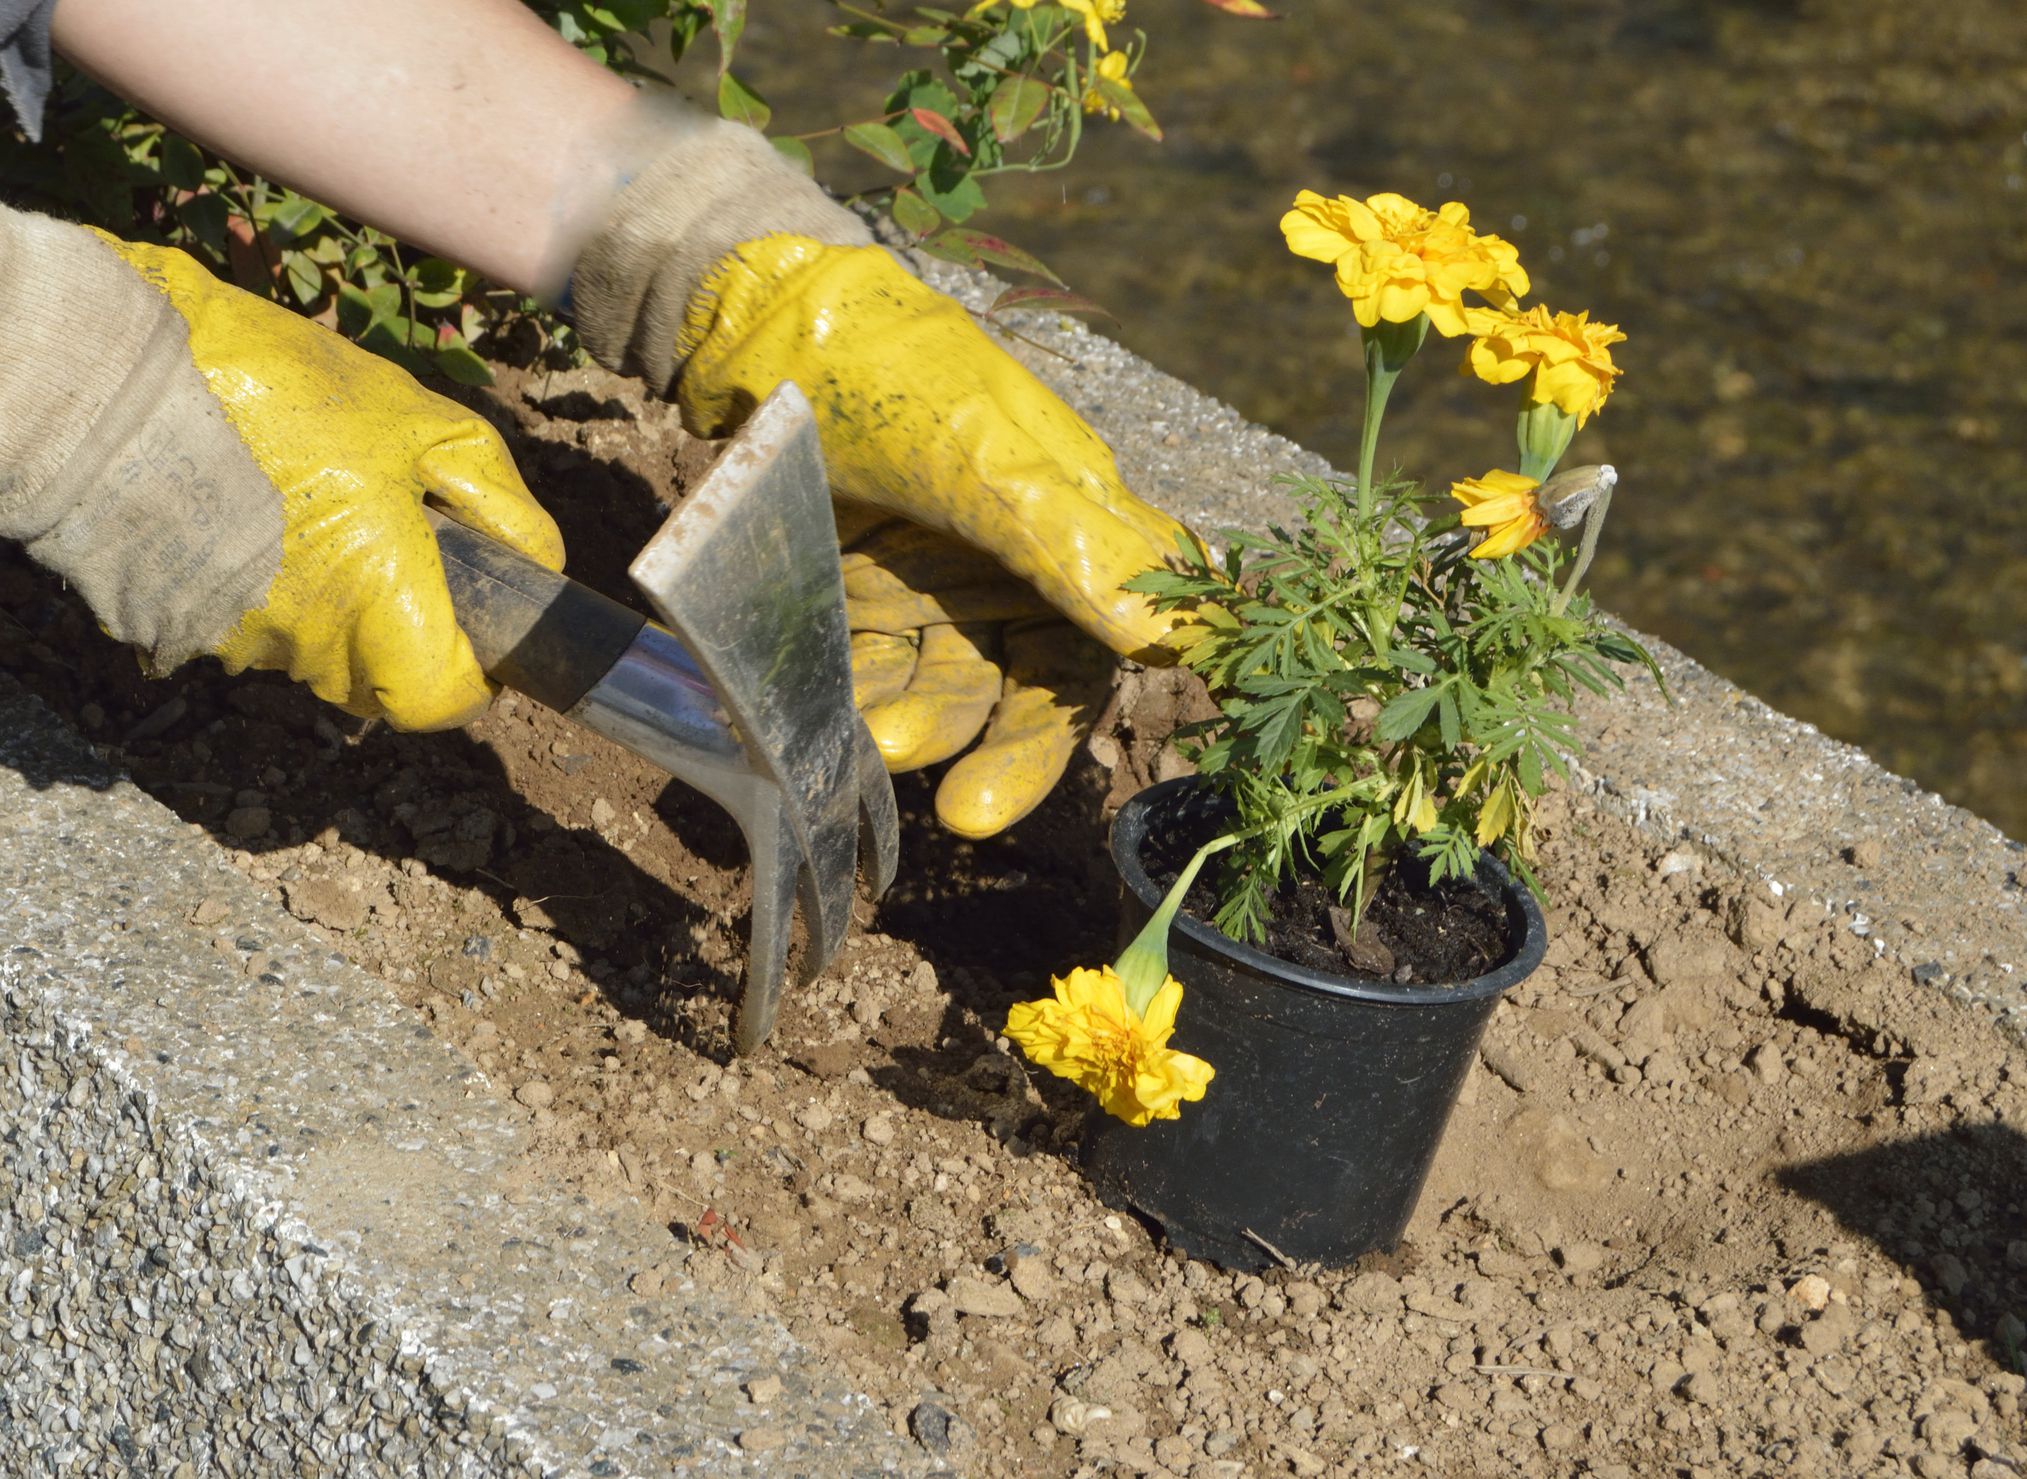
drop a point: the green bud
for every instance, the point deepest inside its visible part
(1544, 433)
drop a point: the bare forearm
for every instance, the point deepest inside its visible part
(464, 126)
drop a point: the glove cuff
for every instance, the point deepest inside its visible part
(118, 467)
(708, 185)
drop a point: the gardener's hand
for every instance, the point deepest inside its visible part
(947, 646)
(921, 415)
(217, 474)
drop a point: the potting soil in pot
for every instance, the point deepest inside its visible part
(1412, 932)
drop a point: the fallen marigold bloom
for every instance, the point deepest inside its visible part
(1089, 1035)
(1507, 506)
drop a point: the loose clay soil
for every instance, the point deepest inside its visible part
(1725, 1195)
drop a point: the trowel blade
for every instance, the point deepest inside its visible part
(746, 574)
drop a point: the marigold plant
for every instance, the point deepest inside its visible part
(1394, 669)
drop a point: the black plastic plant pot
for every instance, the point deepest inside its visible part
(1331, 1092)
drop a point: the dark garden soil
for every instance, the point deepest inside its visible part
(1724, 1195)
(1413, 932)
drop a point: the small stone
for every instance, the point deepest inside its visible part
(938, 1429)
(1829, 1330)
(602, 812)
(762, 1439)
(1765, 1060)
(210, 911)
(1864, 853)
(1191, 1347)
(814, 1118)
(327, 902)
(878, 1130)
(1300, 1460)
(1951, 1276)
(763, 1389)
(1947, 1431)
(1643, 1026)
(1811, 1291)
(1073, 1416)
(1580, 1258)
(1032, 1280)
(1560, 1435)
(1126, 1287)
(970, 1296)
(535, 1094)
(245, 823)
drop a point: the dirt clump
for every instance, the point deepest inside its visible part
(1725, 1194)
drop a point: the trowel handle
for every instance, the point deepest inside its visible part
(538, 632)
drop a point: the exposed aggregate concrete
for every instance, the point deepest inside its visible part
(254, 1219)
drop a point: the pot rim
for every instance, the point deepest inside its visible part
(1523, 916)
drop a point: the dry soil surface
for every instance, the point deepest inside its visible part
(1724, 1195)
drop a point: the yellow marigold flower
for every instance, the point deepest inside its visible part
(1395, 259)
(1111, 68)
(1569, 356)
(1098, 14)
(1507, 506)
(1090, 1036)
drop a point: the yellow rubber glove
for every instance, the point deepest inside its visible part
(923, 416)
(351, 446)
(946, 647)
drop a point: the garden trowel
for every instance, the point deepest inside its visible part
(745, 696)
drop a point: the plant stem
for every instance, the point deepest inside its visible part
(1594, 523)
(1388, 347)
(1379, 382)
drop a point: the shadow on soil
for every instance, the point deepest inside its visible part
(1938, 1203)
(996, 919)
(208, 745)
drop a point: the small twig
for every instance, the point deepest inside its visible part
(1013, 333)
(1522, 1371)
(567, 898)
(1272, 1252)
(1596, 990)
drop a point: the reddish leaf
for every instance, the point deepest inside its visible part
(942, 127)
(1001, 253)
(949, 251)
(1049, 298)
